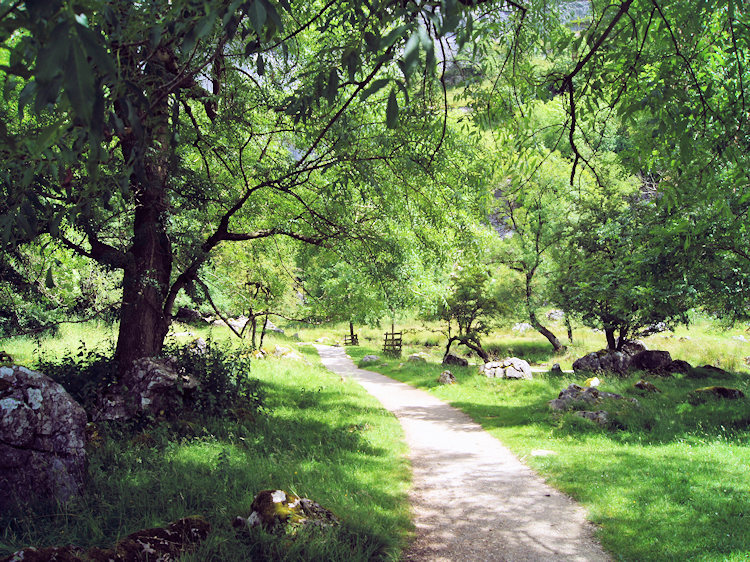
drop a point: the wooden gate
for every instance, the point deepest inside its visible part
(351, 339)
(392, 344)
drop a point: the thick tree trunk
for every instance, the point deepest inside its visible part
(351, 330)
(143, 321)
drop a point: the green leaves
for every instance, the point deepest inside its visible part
(391, 111)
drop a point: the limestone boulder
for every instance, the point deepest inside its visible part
(150, 386)
(508, 368)
(42, 438)
(446, 377)
(575, 394)
(278, 510)
(417, 358)
(452, 359)
(655, 362)
(633, 347)
(602, 361)
(369, 360)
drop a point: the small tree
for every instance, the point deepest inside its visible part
(615, 278)
(469, 308)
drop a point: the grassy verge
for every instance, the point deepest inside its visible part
(670, 480)
(317, 436)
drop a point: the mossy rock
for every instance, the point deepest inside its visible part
(277, 510)
(702, 395)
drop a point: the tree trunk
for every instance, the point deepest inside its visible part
(263, 331)
(351, 330)
(610, 334)
(254, 320)
(570, 329)
(551, 338)
(144, 316)
(477, 348)
(143, 321)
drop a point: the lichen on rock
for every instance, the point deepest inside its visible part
(278, 510)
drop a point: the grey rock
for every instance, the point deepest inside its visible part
(633, 347)
(522, 327)
(416, 358)
(555, 315)
(678, 366)
(452, 359)
(600, 416)
(278, 510)
(508, 368)
(556, 369)
(271, 327)
(577, 394)
(42, 438)
(369, 359)
(604, 360)
(446, 377)
(651, 361)
(150, 385)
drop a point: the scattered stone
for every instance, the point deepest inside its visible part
(522, 327)
(542, 453)
(446, 377)
(219, 322)
(150, 385)
(576, 394)
(651, 361)
(600, 416)
(452, 359)
(686, 338)
(42, 438)
(324, 339)
(160, 544)
(592, 382)
(604, 360)
(740, 338)
(508, 368)
(701, 395)
(277, 510)
(555, 315)
(654, 329)
(369, 359)
(417, 358)
(646, 386)
(556, 369)
(281, 351)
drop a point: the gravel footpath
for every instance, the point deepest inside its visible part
(472, 499)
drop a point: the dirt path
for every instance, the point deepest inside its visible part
(473, 500)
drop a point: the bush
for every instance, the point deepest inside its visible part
(224, 384)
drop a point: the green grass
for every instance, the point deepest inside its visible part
(320, 437)
(669, 480)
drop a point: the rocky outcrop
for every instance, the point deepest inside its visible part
(678, 366)
(603, 361)
(655, 362)
(600, 416)
(160, 544)
(150, 386)
(508, 368)
(42, 438)
(575, 394)
(452, 359)
(705, 394)
(446, 377)
(277, 510)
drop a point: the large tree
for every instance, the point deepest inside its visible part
(144, 135)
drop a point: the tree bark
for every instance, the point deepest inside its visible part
(610, 334)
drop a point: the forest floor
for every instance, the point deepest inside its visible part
(472, 498)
